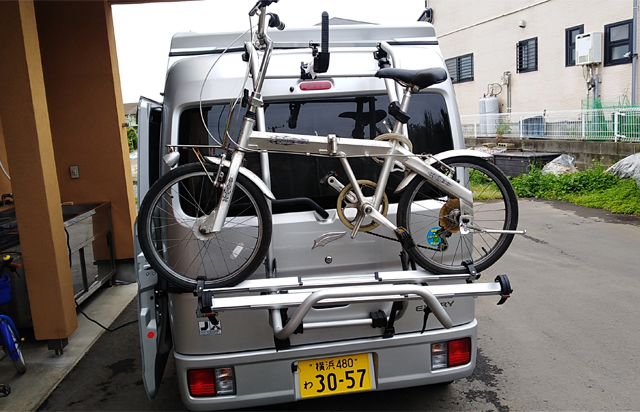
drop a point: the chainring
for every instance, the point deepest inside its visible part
(368, 188)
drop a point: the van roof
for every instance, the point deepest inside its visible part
(355, 35)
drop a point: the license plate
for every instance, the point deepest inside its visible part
(331, 376)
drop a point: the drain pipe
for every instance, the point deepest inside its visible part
(506, 80)
(634, 53)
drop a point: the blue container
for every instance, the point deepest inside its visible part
(5, 289)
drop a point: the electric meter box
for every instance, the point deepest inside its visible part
(588, 48)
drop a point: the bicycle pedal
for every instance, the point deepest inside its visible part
(325, 179)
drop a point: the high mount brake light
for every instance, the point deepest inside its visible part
(316, 85)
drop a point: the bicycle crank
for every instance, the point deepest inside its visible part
(349, 210)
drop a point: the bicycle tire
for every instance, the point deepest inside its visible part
(422, 209)
(11, 345)
(173, 209)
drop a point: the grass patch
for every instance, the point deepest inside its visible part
(482, 187)
(592, 188)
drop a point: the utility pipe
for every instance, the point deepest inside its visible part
(634, 53)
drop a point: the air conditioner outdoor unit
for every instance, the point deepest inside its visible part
(589, 48)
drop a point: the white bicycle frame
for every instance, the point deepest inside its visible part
(332, 146)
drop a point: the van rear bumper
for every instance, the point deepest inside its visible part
(266, 376)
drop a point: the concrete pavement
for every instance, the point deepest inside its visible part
(566, 340)
(45, 369)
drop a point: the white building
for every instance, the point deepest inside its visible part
(530, 44)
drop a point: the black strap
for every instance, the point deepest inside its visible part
(427, 312)
(389, 331)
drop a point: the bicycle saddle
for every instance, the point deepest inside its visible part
(420, 78)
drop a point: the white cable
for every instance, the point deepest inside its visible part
(204, 123)
(246, 77)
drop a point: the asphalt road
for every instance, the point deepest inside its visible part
(567, 340)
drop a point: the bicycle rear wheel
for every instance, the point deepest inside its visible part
(12, 346)
(425, 212)
(170, 217)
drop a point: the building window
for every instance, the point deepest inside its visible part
(617, 43)
(570, 44)
(460, 68)
(527, 55)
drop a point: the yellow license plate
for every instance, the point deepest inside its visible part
(331, 376)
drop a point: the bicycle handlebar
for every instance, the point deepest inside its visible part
(274, 21)
(259, 4)
(7, 261)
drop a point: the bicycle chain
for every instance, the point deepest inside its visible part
(396, 240)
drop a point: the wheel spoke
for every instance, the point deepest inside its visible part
(423, 208)
(170, 240)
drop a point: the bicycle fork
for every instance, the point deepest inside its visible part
(214, 222)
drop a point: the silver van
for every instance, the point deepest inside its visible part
(322, 318)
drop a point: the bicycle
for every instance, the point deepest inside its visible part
(210, 221)
(9, 336)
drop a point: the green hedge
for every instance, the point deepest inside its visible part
(591, 188)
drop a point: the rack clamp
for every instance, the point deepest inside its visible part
(395, 111)
(405, 239)
(389, 329)
(378, 319)
(505, 287)
(473, 273)
(406, 261)
(204, 309)
(382, 57)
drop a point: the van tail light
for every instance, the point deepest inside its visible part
(459, 352)
(201, 382)
(449, 354)
(211, 382)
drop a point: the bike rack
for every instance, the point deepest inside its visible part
(303, 293)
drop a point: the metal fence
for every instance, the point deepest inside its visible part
(612, 124)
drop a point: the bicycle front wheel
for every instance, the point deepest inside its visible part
(173, 211)
(430, 215)
(12, 346)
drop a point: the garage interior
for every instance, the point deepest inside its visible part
(69, 205)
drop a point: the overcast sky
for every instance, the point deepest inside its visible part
(143, 31)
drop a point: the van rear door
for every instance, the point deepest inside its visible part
(153, 313)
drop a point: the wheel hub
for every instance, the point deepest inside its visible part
(450, 216)
(197, 227)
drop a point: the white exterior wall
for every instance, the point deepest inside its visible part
(490, 30)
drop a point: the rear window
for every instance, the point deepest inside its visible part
(359, 118)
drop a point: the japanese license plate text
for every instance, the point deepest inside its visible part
(330, 376)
